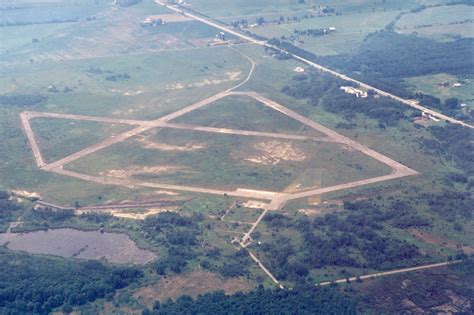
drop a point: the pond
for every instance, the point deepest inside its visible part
(113, 247)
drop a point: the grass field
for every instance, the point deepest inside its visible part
(351, 30)
(59, 137)
(159, 83)
(227, 161)
(244, 113)
(441, 23)
(441, 86)
(116, 32)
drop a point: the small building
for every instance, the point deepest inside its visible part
(457, 85)
(221, 36)
(353, 90)
(299, 70)
(331, 29)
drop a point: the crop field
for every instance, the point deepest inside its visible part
(440, 23)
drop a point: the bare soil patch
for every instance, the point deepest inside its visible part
(138, 170)
(188, 147)
(437, 240)
(192, 284)
(273, 152)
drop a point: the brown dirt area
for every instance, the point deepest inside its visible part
(188, 147)
(192, 284)
(273, 152)
(437, 240)
(138, 170)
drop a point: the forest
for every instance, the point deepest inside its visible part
(32, 284)
(389, 54)
(300, 300)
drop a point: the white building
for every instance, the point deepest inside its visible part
(352, 90)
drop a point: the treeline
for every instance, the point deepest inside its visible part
(301, 300)
(21, 99)
(354, 239)
(316, 86)
(37, 285)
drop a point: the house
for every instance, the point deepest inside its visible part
(455, 85)
(299, 70)
(331, 29)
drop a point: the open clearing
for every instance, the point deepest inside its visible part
(190, 284)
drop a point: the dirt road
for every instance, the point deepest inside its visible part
(391, 272)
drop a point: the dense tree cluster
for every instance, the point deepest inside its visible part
(21, 99)
(37, 285)
(314, 87)
(178, 234)
(304, 300)
(356, 239)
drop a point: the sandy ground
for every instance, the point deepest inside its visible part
(188, 147)
(139, 170)
(273, 152)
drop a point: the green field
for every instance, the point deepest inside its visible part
(351, 29)
(245, 113)
(441, 23)
(116, 32)
(441, 86)
(59, 138)
(227, 161)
